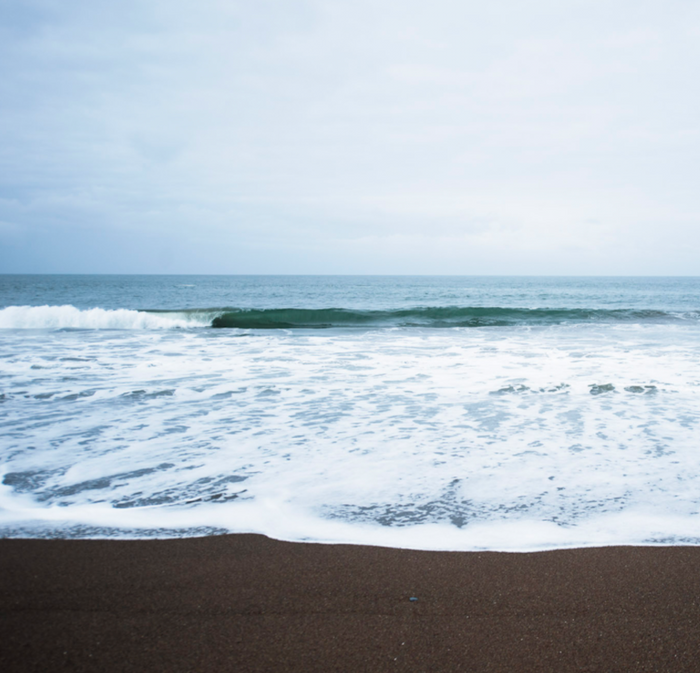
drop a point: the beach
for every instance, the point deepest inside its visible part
(250, 603)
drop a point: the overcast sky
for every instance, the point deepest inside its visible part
(350, 136)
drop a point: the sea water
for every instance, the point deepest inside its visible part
(424, 412)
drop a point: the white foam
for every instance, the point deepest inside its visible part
(67, 317)
(456, 439)
(285, 522)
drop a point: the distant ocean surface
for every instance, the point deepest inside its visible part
(463, 413)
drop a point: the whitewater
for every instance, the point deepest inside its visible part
(429, 413)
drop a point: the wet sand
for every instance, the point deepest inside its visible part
(248, 603)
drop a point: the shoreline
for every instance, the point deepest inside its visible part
(245, 602)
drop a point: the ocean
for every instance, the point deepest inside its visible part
(456, 413)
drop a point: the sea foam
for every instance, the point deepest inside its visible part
(70, 317)
(521, 439)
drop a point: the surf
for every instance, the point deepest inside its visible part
(70, 317)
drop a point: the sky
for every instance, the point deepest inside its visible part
(548, 137)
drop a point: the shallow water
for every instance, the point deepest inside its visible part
(534, 434)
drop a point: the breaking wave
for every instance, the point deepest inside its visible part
(70, 317)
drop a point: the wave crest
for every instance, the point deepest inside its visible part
(70, 317)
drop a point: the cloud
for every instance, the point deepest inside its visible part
(288, 135)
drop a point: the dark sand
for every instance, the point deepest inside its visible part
(247, 603)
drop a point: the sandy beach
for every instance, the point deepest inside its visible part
(248, 603)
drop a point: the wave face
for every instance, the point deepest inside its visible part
(436, 317)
